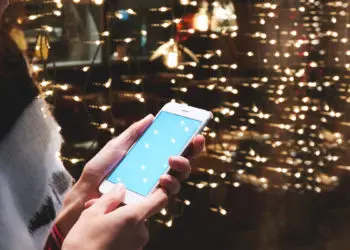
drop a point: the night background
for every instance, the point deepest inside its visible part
(276, 75)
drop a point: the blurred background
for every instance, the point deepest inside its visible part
(275, 73)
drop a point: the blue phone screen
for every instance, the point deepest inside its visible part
(142, 167)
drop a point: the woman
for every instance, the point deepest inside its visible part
(34, 182)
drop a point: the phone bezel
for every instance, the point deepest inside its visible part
(175, 108)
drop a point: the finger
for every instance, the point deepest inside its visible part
(110, 201)
(180, 166)
(196, 147)
(90, 203)
(115, 149)
(170, 183)
(151, 204)
(142, 235)
(129, 136)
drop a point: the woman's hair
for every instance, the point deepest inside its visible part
(17, 88)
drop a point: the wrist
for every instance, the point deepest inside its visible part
(73, 206)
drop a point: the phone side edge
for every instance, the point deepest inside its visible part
(204, 123)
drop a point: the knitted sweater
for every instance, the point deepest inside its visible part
(33, 180)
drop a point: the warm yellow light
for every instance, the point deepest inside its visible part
(77, 98)
(98, 2)
(201, 22)
(172, 59)
(223, 211)
(169, 223)
(163, 211)
(187, 202)
(184, 2)
(86, 68)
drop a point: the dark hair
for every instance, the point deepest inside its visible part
(17, 88)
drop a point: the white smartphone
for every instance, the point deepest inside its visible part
(147, 160)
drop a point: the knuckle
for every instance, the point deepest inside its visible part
(113, 143)
(89, 212)
(182, 162)
(115, 146)
(164, 202)
(143, 235)
(131, 219)
(110, 197)
(133, 132)
(177, 187)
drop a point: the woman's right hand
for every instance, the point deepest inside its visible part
(105, 225)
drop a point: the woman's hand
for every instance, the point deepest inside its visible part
(96, 169)
(104, 226)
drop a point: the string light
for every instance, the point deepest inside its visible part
(289, 110)
(201, 19)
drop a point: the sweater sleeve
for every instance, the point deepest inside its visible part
(55, 240)
(13, 230)
(33, 180)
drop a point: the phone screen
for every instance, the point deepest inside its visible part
(148, 160)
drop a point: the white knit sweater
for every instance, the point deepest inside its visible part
(33, 180)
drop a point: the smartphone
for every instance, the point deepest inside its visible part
(147, 160)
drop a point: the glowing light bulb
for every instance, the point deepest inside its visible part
(184, 2)
(74, 161)
(77, 98)
(163, 211)
(57, 13)
(64, 87)
(223, 211)
(172, 59)
(169, 223)
(32, 17)
(187, 202)
(236, 184)
(201, 21)
(98, 2)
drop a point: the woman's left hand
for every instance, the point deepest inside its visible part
(97, 168)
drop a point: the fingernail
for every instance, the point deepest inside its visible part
(148, 117)
(171, 159)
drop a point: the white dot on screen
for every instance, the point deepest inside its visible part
(146, 145)
(145, 180)
(119, 180)
(187, 129)
(173, 140)
(156, 132)
(182, 123)
(143, 167)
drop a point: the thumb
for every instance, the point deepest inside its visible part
(90, 203)
(129, 136)
(110, 201)
(115, 150)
